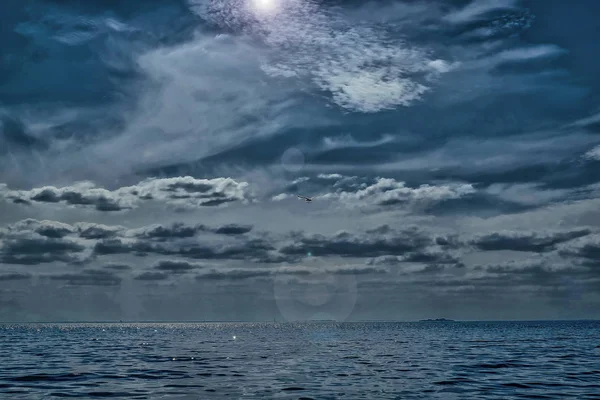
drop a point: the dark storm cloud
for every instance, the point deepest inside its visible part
(371, 243)
(34, 242)
(411, 243)
(252, 249)
(117, 267)
(180, 230)
(59, 230)
(89, 278)
(49, 229)
(21, 243)
(186, 192)
(97, 231)
(233, 229)
(14, 277)
(176, 266)
(431, 255)
(54, 231)
(161, 232)
(36, 249)
(585, 250)
(72, 197)
(111, 246)
(526, 241)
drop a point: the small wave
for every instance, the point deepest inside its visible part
(454, 381)
(272, 362)
(516, 385)
(500, 365)
(48, 378)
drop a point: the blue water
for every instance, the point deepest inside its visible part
(474, 360)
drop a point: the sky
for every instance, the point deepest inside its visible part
(150, 154)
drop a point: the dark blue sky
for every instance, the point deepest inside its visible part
(151, 151)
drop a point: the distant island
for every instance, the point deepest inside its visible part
(437, 320)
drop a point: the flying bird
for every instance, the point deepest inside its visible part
(307, 199)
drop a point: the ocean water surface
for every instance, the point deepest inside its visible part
(321, 360)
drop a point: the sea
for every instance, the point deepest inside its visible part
(308, 360)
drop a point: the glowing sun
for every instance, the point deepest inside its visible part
(265, 5)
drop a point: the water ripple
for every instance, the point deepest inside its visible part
(553, 360)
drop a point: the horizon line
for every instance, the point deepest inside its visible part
(296, 321)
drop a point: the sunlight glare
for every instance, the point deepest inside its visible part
(265, 5)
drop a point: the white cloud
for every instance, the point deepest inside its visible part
(193, 100)
(346, 141)
(441, 66)
(361, 67)
(526, 53)
(336, 177)
(385, 192)
(477, 8)
(281, 196)
(587, 121)
(204, 97)
(593, 154)
(526, 193)
(364, 91)
(180, 191)
(594, 119)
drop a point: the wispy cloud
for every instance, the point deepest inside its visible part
(346, 141)
(477, 8)
(359, 65)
